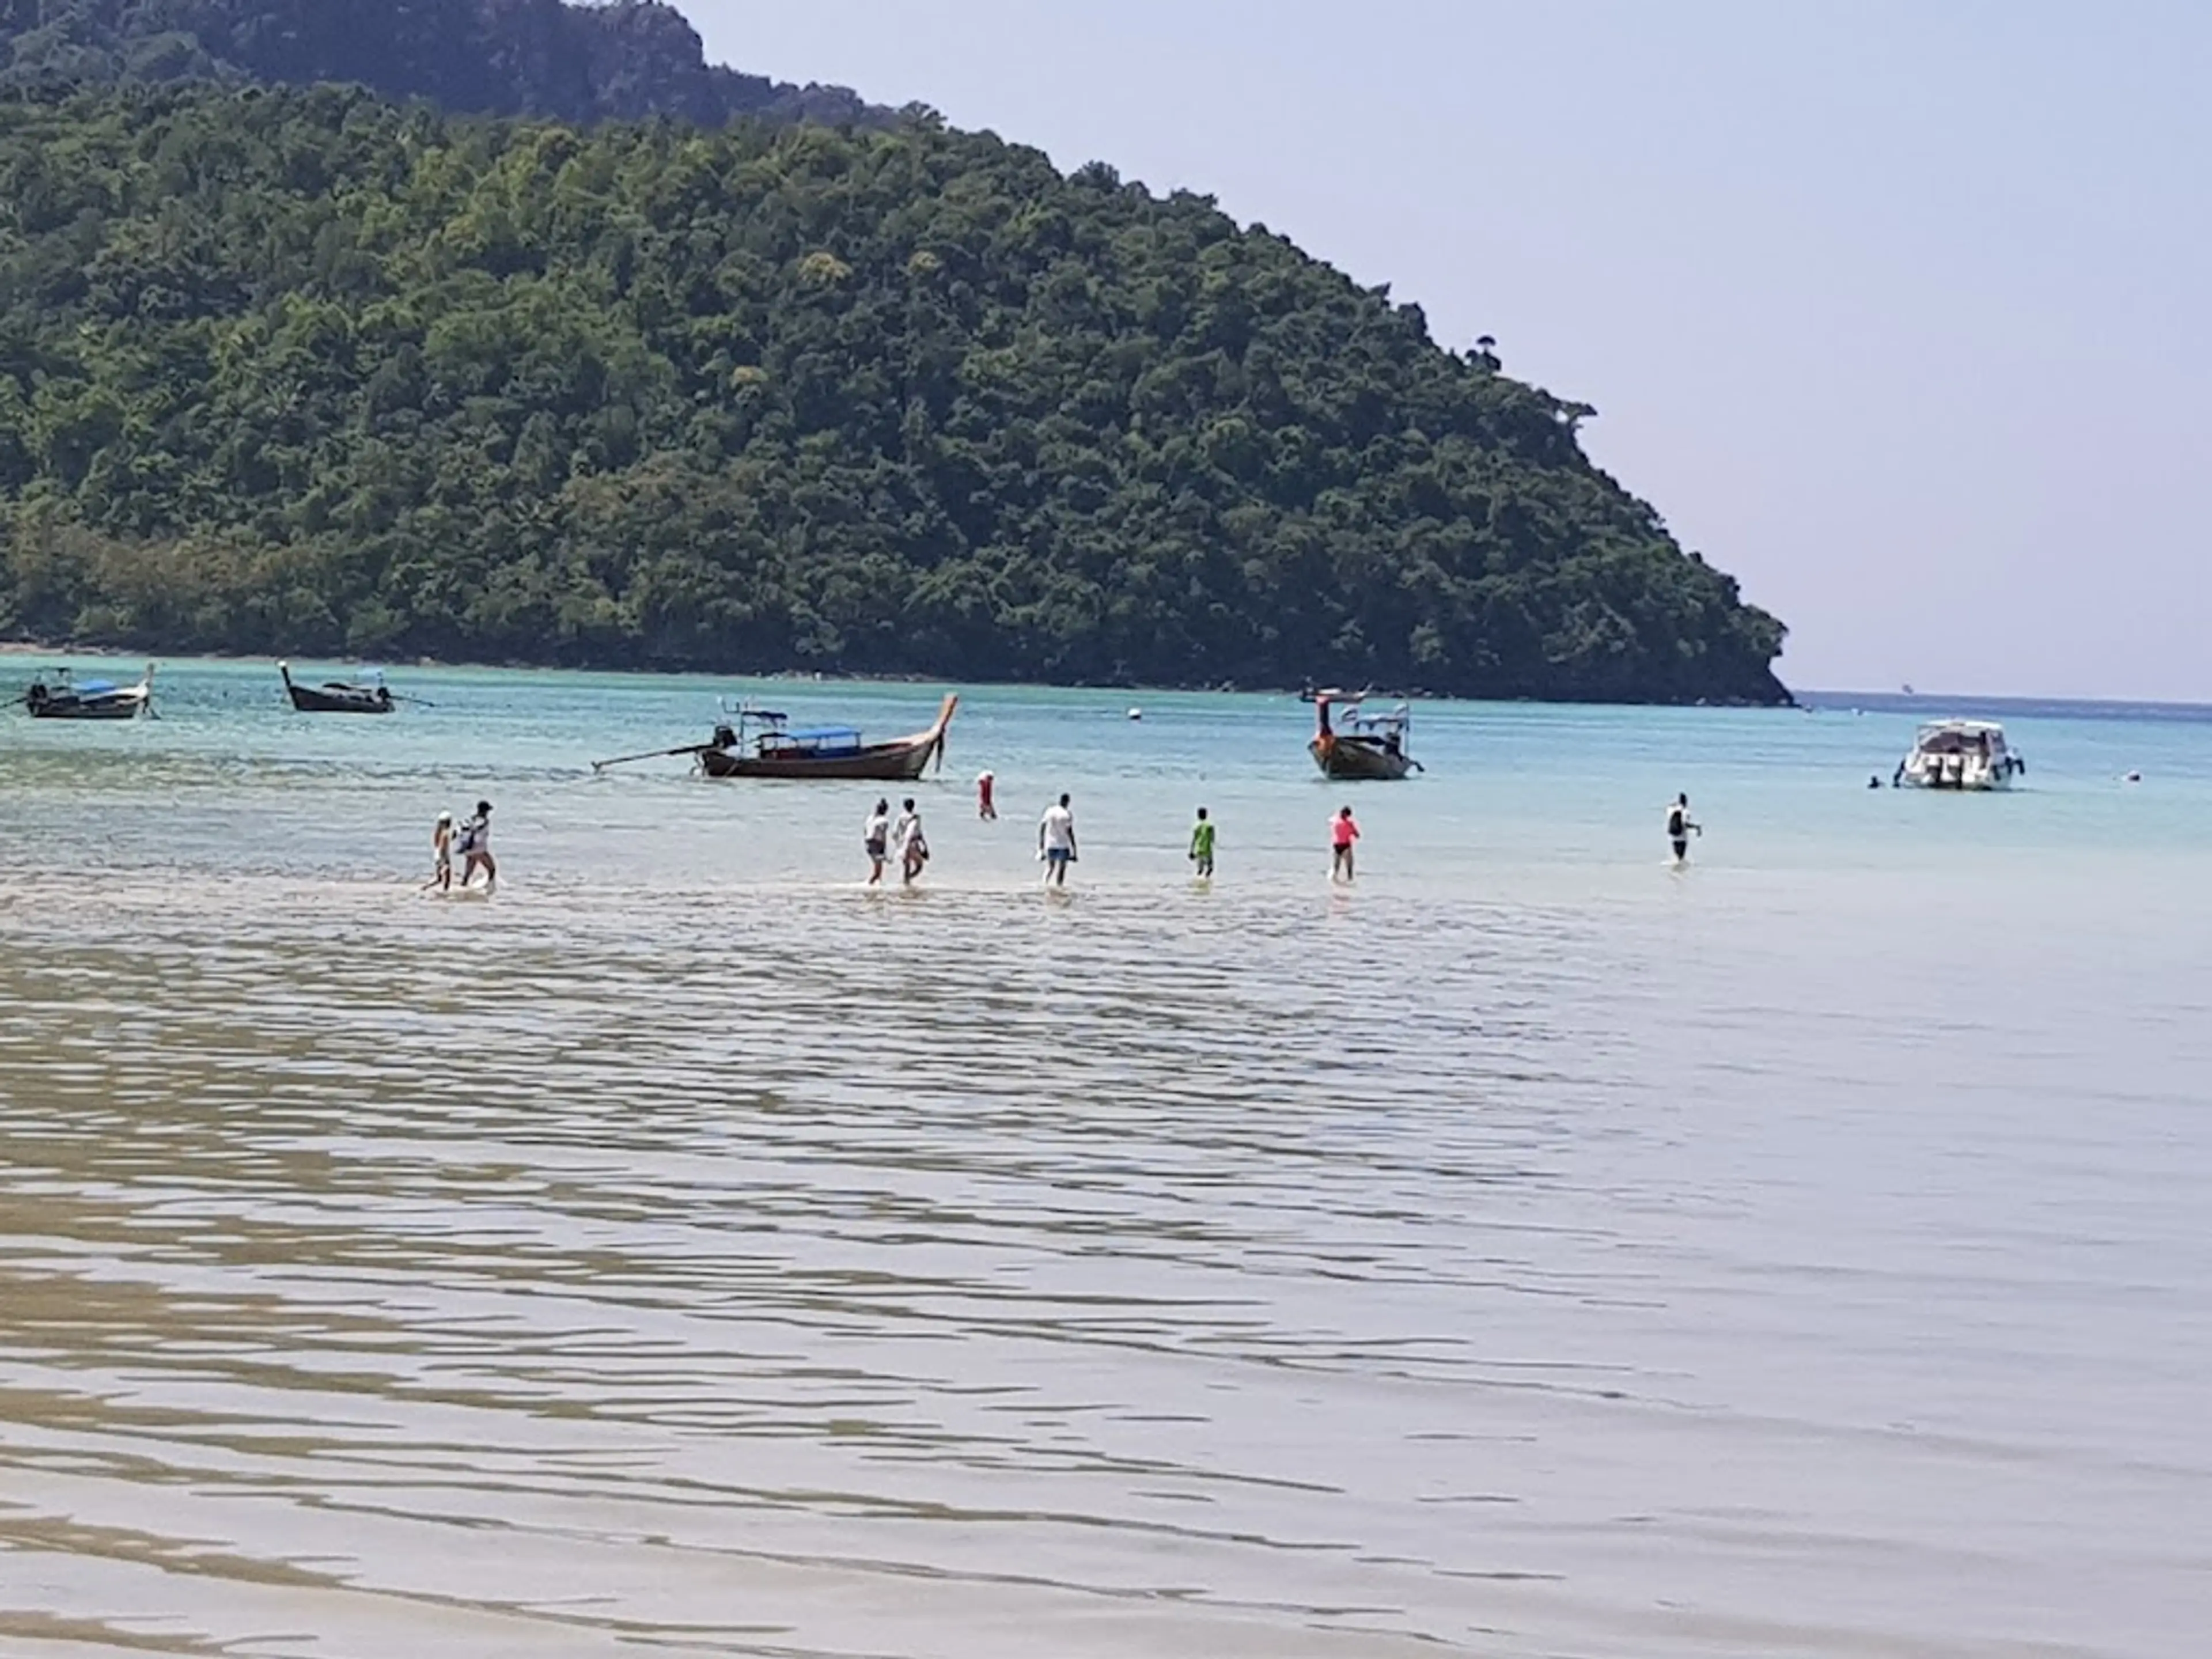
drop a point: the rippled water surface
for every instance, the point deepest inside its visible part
(1530, 1251)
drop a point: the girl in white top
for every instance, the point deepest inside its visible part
(442, 839)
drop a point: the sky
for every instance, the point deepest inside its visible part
(1896, 311)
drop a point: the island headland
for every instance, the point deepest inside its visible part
(590, 354)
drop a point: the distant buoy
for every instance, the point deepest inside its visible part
(1136, 713)
(2135, 777)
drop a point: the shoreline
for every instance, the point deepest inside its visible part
(15, 649)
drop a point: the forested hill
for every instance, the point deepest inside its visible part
(623, 59)
(302, 372)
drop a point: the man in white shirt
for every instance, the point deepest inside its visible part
(1056, 843)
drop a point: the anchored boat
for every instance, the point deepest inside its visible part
(1960, 755)
(338, 696)
(1350, 744)
(761, 743)
(57, 696)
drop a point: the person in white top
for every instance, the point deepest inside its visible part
(442, 844)
(913, 846)
(1056, 843)
(1680, 828)
(476, 849)
(876, 836)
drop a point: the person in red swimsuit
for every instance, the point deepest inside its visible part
(1343, 831)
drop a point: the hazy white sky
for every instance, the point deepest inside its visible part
(1898, 311)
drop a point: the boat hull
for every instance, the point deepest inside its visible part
(1979, 780)
(309, 701)
(1353, 760)
(334, 698)
(126, 706)
(885, 763)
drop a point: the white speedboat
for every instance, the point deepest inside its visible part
(1960, 755)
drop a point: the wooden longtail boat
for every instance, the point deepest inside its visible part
(338, 696)
(760, 742)
(61, 698)
(830, 751)
(1357, 745)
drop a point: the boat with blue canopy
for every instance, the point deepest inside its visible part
(763, 743)
(751, 742)
(56, 695)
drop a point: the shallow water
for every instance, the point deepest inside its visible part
(1532, 1250)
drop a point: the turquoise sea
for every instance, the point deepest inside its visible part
(1530, 1250)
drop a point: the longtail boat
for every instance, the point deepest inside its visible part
(1354, 745)
(761, 743)
(58, 697)
(338, 696)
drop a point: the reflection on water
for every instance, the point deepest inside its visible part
(655, 1259)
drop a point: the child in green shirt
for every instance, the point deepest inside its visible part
(1201, 846)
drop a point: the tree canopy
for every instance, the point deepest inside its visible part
(301, 371)
(623, 59)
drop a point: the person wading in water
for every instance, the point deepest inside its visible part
(1343, 833)
(876, 837)
(442, 841)
(914, 845)
(1056, 842)
(476, 850)
(1201, 846)
(1679, 828)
